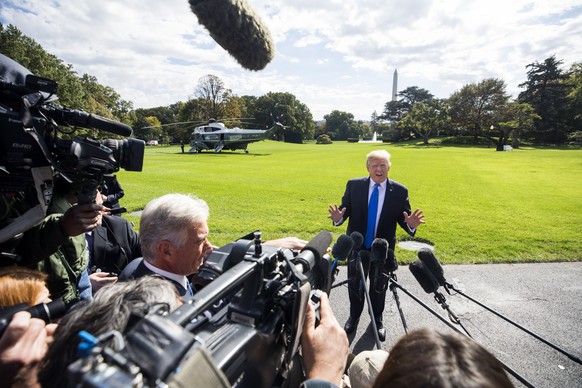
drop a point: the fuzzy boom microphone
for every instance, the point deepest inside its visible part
(235, 26)
(431, 262)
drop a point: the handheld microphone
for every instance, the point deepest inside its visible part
(341, 249)
(48, 312)
(422, 274)
(431, 262)
(235, 26)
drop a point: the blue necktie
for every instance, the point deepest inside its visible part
(372, 214)
(189, 289)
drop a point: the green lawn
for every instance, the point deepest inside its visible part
(480, 205)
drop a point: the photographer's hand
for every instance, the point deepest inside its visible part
(79, 219)
(22, 346)
(100, 279)
(325, 347)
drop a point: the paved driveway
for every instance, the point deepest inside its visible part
(544, 298)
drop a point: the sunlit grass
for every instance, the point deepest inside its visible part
(480, 205)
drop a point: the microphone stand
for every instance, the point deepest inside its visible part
(446, 322)
(556, 347)
(392, 279)
(440, 298)
(368, 301)
(341, 283)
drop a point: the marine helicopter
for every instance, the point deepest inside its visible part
(215, 135)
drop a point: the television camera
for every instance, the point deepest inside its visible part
(244, 325)
(32, 154)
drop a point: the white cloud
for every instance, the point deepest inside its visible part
(332, 54)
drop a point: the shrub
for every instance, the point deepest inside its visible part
(323, 139)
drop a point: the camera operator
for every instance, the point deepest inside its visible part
(174, 240)
(57, 245)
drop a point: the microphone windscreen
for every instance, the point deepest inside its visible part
(319, 244)
(428, 282)
(342, 247)
(379, 250)
(365, 255)
(358, 240)
(391, 263)
(235, 26)
(431, 262)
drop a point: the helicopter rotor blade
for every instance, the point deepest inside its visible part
(175, 124)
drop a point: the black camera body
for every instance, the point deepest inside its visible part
(247, 321)
(32, 153)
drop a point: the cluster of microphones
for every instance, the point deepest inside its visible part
(350, 248)
(429, 273)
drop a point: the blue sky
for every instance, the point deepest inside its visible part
(331, 54)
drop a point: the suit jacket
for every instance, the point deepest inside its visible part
(112, 189)
(355, 201)
(115, 244)
(137, 269)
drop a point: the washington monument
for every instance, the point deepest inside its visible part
(395, 85)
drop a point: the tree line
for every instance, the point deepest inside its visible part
(548, 111)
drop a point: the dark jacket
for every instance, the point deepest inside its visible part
(355, 201)
(112, 189)
(137, 269)
(114, 245)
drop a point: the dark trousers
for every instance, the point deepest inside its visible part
(356, 290)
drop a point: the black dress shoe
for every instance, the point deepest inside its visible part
(382, 334)
(351, 325)
(381, 331)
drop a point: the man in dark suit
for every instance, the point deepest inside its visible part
(373, 205)
(174, 240)
(113, 245)
(111, 191)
